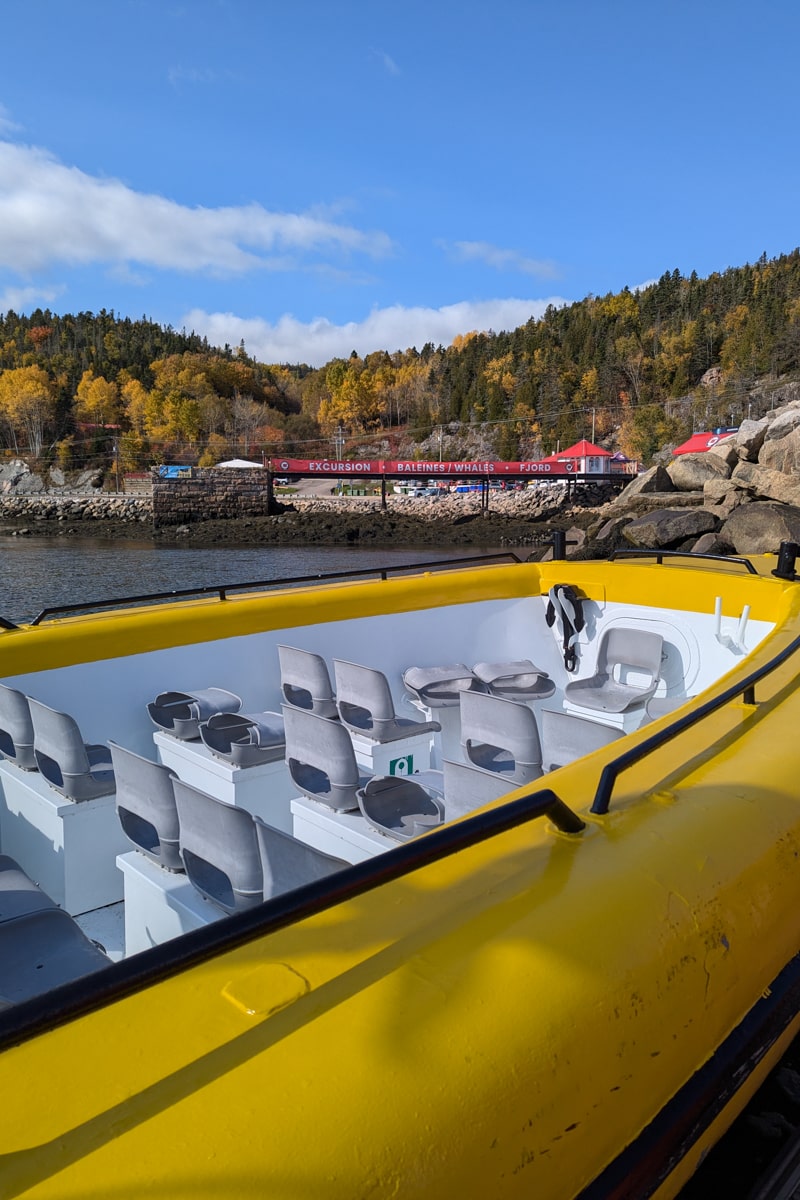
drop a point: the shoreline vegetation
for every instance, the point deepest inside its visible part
(742, 496)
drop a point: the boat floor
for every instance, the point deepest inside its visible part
(106, 926)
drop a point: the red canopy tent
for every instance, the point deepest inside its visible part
(584, 449)
(700, 442)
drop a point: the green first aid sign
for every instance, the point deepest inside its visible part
(402, 766)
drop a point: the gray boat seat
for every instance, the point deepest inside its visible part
(502, 736)
(566, 737)
(365, 704)
(287, 863)
(321, 759)
(626, 675)
(16, 729)
(181, 713)
(146, 806)
(219, 849)
(440, 687)
(305, 682)
(467, 787)
(399, 807)
(78, 770)
(19, 895)
(659, 706)
(521, 680)
(43, 949)
(245, 739)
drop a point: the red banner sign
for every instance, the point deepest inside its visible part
(422, 470)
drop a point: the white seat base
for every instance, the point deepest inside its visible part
(342, 835)
(159, 905)
(68, 848)
(264, 790)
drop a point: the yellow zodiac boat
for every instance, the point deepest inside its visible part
(484, 966)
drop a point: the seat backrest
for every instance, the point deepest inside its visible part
(321, 758)
(219, 849)
(146, 806)
(626, 654)
(363, 698)
(287, 863)
(503, 725)
(305, 682)
(566, 737)
(58, 744)
(467, 787)
(16, 728)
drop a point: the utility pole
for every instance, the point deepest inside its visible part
(338, 443)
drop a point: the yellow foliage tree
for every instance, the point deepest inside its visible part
(96, 400)
(27, 407)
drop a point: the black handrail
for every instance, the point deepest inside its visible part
(71, 1000)
(222, 590)
(745, 687)
(4, 624)
(660, 555)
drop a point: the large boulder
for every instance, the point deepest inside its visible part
(782, 423)
(654, 480)
(760, 528)
(766, 483)
(782, 454)
(668, 526)
(723, 495)
(11, 473)
(726, 450)
(749, 438)
(689, 472)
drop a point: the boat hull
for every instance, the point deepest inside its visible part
(539, 1013)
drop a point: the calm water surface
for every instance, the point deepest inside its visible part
(37, 573)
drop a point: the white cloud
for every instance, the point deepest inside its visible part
(53, 213)
(23, 299)
(317, 342)
(6, 123)
(388, 63)
(503, 260)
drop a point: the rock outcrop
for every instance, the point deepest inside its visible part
(748, 487)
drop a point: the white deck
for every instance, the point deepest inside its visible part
(77, 852)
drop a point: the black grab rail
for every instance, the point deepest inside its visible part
(223, 590)
(660, 555)
(745, 687)
(71, 1000)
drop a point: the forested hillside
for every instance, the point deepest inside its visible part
(636, 369)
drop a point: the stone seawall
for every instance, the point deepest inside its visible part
(70, 509)
(232, 512)
(210, 494)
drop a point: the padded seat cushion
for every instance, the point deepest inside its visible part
(181, 713)
(245, 739)
(399, 807)
(440, 687)
(515, 679)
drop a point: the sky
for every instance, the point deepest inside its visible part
(323, 176)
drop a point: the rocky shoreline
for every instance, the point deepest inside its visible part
(524, 519)
(742, 496)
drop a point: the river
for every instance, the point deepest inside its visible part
(39, 573)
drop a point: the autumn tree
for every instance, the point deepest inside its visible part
(97, 400)
(27, 407)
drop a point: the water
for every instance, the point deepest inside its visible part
(37, 573)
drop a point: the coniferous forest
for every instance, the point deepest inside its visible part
(636, 370)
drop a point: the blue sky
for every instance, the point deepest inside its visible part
(318, 177)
